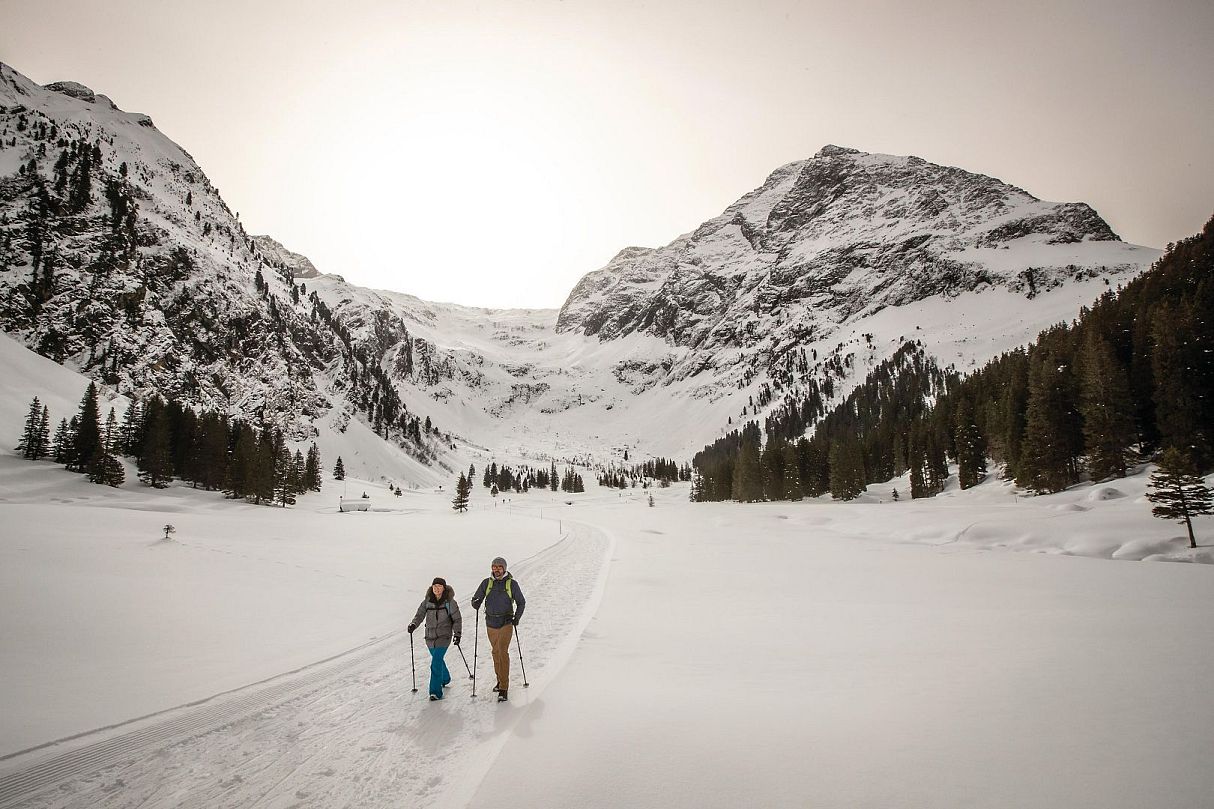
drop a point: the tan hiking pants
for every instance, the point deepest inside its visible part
(499, 640)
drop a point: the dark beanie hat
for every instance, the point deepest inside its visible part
(439, 580)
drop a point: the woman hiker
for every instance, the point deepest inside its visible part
(443, 627)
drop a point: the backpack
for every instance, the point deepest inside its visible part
(509, 589)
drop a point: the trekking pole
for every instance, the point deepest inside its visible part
(519, 643)
(461, 654)
(412, 664)
(476, 639)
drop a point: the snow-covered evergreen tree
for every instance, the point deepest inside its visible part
(1179, 492)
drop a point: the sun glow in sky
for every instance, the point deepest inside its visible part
(492, 153)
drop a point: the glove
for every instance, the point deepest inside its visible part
(411, 628)
(455, 640)
(514, 622)
(476, 605)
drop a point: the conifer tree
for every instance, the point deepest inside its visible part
(552, 478)
(128, 434)
(1011, 410)
(339, 470)
(846, 469)
(918, 476)
(265, 477)
(298, 468)
(312, 469)
(748, 474)
(243, 469)
(1179, 394)
(1179, 492)
(1045, 459)
(110, 435)
(1107, 410)
(697, 487)
(155, 462)
(899, 455)
(88, 431)
(61, 446)
(107, 470)
(772, 463)
(283, 476)
(971, 448)
(814, 467)
(792, 473)
(210, 467)
(27, 445)
(935, 445)
(44, 435)
(463, 489)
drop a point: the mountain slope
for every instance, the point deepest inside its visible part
(119, 258)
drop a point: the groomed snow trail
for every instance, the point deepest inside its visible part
(347, 731)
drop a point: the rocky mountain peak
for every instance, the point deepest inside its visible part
(830, 150)
(299, 266)
(72, 89)
(838, 236)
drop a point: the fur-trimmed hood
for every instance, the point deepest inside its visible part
(448, 594)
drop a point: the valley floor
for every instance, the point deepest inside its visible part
(808, 654)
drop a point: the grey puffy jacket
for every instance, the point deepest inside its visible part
(442, 618)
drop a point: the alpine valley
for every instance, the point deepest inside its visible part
(119, 259)
(891, 373)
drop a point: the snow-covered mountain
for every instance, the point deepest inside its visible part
(120, 259)
(836, 238)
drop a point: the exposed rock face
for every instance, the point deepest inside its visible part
(839, 236)
(72, 89)
(273, 251)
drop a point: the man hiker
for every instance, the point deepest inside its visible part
(504, 604)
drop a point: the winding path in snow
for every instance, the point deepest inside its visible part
(343, 731)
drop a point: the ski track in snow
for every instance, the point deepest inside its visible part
(346, 731)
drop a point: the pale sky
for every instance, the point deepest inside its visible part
(491, 153)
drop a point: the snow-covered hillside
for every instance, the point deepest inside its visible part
(119, 259)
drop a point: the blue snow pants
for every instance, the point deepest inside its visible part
(439, 676)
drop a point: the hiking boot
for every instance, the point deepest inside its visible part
(435, 698)
(497, 687)
(501, 696)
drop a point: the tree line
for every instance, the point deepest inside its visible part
(169, 440)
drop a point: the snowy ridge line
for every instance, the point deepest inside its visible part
(552, 667)
(21, 785)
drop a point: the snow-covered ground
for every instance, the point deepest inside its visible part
(863, 654)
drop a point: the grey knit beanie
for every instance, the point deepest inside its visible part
(498, 561)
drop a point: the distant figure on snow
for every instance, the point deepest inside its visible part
(504, 604)
(443, 627)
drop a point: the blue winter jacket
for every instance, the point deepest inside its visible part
(499, 610)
